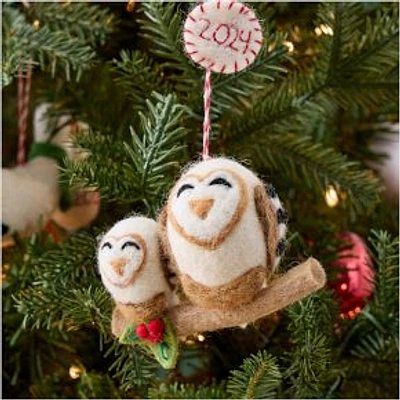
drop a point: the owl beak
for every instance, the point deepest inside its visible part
(201, 207)
(118, 265)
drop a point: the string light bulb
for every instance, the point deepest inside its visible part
(75, 372)
(289, 45)
(201, 338)
(323, 29)
(36, 24)
(331, 197)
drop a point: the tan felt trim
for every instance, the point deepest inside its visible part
(145, 310)
(236, 293)
(130, 281)
(213, 243)
(269, 224)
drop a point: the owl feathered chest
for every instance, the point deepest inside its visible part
(237, 292)
(241, 250)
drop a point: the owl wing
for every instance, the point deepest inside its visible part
(165, 248)
(167, 258)
(118, 322)
(273, 219)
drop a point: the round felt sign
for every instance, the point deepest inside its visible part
(222, 35)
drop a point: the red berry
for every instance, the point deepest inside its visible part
(156, 326)
(142, 332)
(155, 337)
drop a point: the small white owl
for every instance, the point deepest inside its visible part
(223, 232)
(131, 270)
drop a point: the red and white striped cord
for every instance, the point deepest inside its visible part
(24, 91)
(207, 120)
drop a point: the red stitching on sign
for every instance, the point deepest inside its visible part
(216, 31)
(193, 52)
(223, 68)
(231, 5)
(253, 52)
(201, 60)
(230, 45)
(247, 61)
(252, 19)
(205, 29)
(247, 41)
(245, 13)
(201, 8)
(218, 4)
(189, 44)
(188, 31)
(257, 29)
(236, 66)
(242, 9)
(258, 42)
(191, 17)
(211, 65)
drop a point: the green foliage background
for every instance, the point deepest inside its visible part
(303, 121)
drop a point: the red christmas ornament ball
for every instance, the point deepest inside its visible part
(354, 283)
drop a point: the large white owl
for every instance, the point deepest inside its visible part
(130, 266)
(223, 231)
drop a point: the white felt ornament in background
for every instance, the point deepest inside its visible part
(85, 202)
(131, 270)
(223, 233)
(387, 143)
(84, 210)
(222, 35)
(31, 192)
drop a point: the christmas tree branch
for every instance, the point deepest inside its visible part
(139, 76)
(83, 20)
(353, 53)
(47, 45)
(317, 166)
(140, 168)
(258, 378)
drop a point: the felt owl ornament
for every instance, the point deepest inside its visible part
(224, 233)
(131, 270)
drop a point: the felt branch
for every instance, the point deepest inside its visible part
(297, 283)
